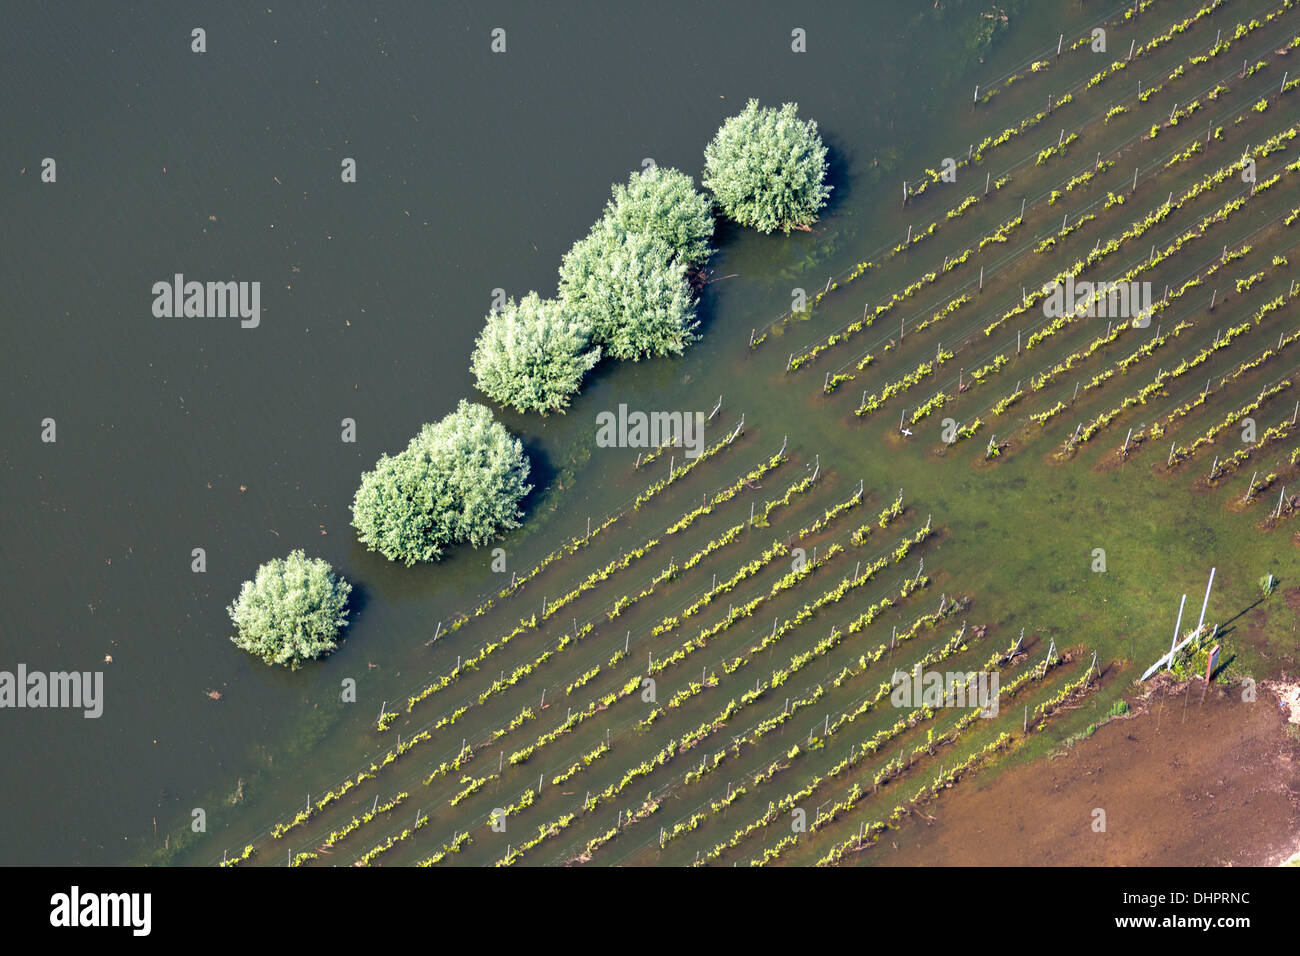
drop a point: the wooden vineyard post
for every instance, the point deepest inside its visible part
(1169, 665)
(1205, 603)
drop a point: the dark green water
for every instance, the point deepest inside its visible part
(475, 171)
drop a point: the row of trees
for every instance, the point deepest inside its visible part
(623, 293)
(624, 290)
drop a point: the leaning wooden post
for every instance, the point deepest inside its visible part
(1205, 603)
(1178, 624)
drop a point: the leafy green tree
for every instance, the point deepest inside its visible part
(631, 289)
(292, 611)
(531, 357)
(665, 203)
(460, 479)
(767, 168)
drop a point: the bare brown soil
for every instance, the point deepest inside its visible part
(1183, 782)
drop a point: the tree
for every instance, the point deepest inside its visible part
(666, 204)
(531, 356)
(292, 610)
(631, 289)
(460, 479)
(767, 168)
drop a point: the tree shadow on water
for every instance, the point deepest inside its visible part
(542, 473)
(837, 177)
(358, 599)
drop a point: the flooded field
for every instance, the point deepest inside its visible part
(910, 464)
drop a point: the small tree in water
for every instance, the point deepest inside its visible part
(458, 480)
(665, 204)
(532, 357)
(767, 168)
(631, 288)
(292, 610)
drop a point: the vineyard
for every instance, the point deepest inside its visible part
(703, 675)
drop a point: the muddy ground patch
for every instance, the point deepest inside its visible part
(1183, 781)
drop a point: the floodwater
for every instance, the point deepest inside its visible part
(475, 171)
